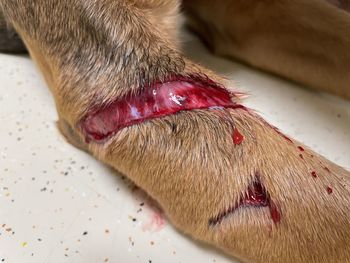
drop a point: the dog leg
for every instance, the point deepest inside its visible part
(70, 135)
(221, 174)
(307, 41)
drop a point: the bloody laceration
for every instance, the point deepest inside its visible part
(237, 137)
(256, 196)
(155, 101)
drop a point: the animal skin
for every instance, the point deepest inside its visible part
(125, 93)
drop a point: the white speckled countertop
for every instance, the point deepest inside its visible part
(58, 204)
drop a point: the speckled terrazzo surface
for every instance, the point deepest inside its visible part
(58, 204)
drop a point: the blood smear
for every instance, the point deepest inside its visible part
(237, 137)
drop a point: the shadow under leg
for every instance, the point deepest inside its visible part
(10, 42)
(69, 134)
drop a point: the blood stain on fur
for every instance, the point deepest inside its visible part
(329, 190)
(301, 148)
(256, 196)
(155, 101)
(237, 137)
(314, 174)
(281, 134)
(275, 213)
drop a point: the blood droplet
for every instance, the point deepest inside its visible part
(301, 148)
(237, 137)
(329, 190)
(314, 174)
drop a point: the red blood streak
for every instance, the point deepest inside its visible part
(155, 101)
(256, 196)
(237, 137)
(156, 222)
(329, 190)
(283, 135)
(275, 213)
(314, 174)
(301, 148)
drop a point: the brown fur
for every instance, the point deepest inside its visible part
(93, 52)
(303, 40)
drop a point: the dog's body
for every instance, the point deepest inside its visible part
(305, 41)
(221, 173)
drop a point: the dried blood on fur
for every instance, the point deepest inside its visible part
(329, 190)
(237, 137)
(301, 148)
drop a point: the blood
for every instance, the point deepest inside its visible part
(155, 101)
(283, 135)
(256, 196)
(156, 222)
(275, 213)
(237, 137)
(329, 190)
(301, 148)
(301, 156)
(314, 174)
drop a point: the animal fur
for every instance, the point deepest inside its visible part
(306, 41)
(94, 52)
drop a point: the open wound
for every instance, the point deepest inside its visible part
(155, 101)
(255, 196)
